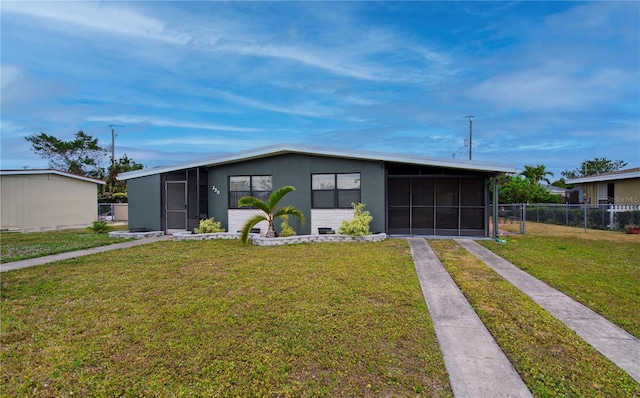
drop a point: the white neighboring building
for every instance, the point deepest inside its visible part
(46, 199)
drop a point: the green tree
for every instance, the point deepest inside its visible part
(536, 174)
(82, 155)
(516, 189)
(268, 211)
(122, 165)
(593, 167)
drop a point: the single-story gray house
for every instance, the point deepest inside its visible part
(406, 195)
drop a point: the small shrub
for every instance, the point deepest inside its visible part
(286, 229)
(99, 227)
(359, 226)
(209, 226)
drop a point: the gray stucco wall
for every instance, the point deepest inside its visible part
(296, 170)
(145, 202)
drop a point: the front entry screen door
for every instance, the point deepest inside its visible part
(176, 205)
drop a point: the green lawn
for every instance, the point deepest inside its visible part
(603, 274)
(20, 246)
(552, 360)
(218, 318)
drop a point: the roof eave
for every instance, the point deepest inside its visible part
(600, 178)
(280, 149)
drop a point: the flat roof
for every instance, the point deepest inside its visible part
(614, 175)
(49, 171)
(274, 150)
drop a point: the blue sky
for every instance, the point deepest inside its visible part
(553, 83)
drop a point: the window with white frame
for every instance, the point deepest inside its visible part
(258, 186)
(335, 191)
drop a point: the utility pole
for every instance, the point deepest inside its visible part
(470, 135)
(113, 144)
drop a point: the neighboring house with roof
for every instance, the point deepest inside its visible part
(46, 199)
(406, 195)
(620, 187)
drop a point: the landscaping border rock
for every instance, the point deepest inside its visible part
(258, 240)
(136, 235)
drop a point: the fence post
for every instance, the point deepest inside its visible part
(585, 217)
(611, 214)
(523, 218)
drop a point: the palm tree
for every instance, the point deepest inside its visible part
(269, 212)
(536, 174)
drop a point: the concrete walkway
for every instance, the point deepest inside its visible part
(476, 365)
(620, 347)
(65, 256)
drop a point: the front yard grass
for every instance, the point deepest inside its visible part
(603, 274)
(16, 246)
(218, 318)
(551, 359)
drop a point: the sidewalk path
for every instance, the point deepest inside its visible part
(620, 347)
(476, 365)
(78, 253)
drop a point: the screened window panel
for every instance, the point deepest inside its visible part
(447, 218)
(324, 199)
(472, 192)
(471, 218)
(349, 181)
(323, 182)
(422, 191)
(176, 199)
(399, 191)
(345, 198)
(176, 220)
(447, 192)
(422, 217)
(180, 175)
(400, 218)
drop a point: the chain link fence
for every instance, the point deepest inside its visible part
(515, 217)
(113, 212)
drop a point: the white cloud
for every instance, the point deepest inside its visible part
(549, 87)
(105, 17)
(161, 122)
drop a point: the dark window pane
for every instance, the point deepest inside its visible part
(447, 192)
(399, 191)
(240, 183)
(261, 183)
(323, 181)
(349, 181)
(263, 196)
(471, 218)
(234, 196)
(422, 191)
(447, 218)
(472, 192)
(323, 199)
(345, 198)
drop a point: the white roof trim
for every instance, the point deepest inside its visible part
(49, 171)
(607, 177)
(338, 153)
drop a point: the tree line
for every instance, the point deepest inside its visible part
(526, 187)
(83, 156)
